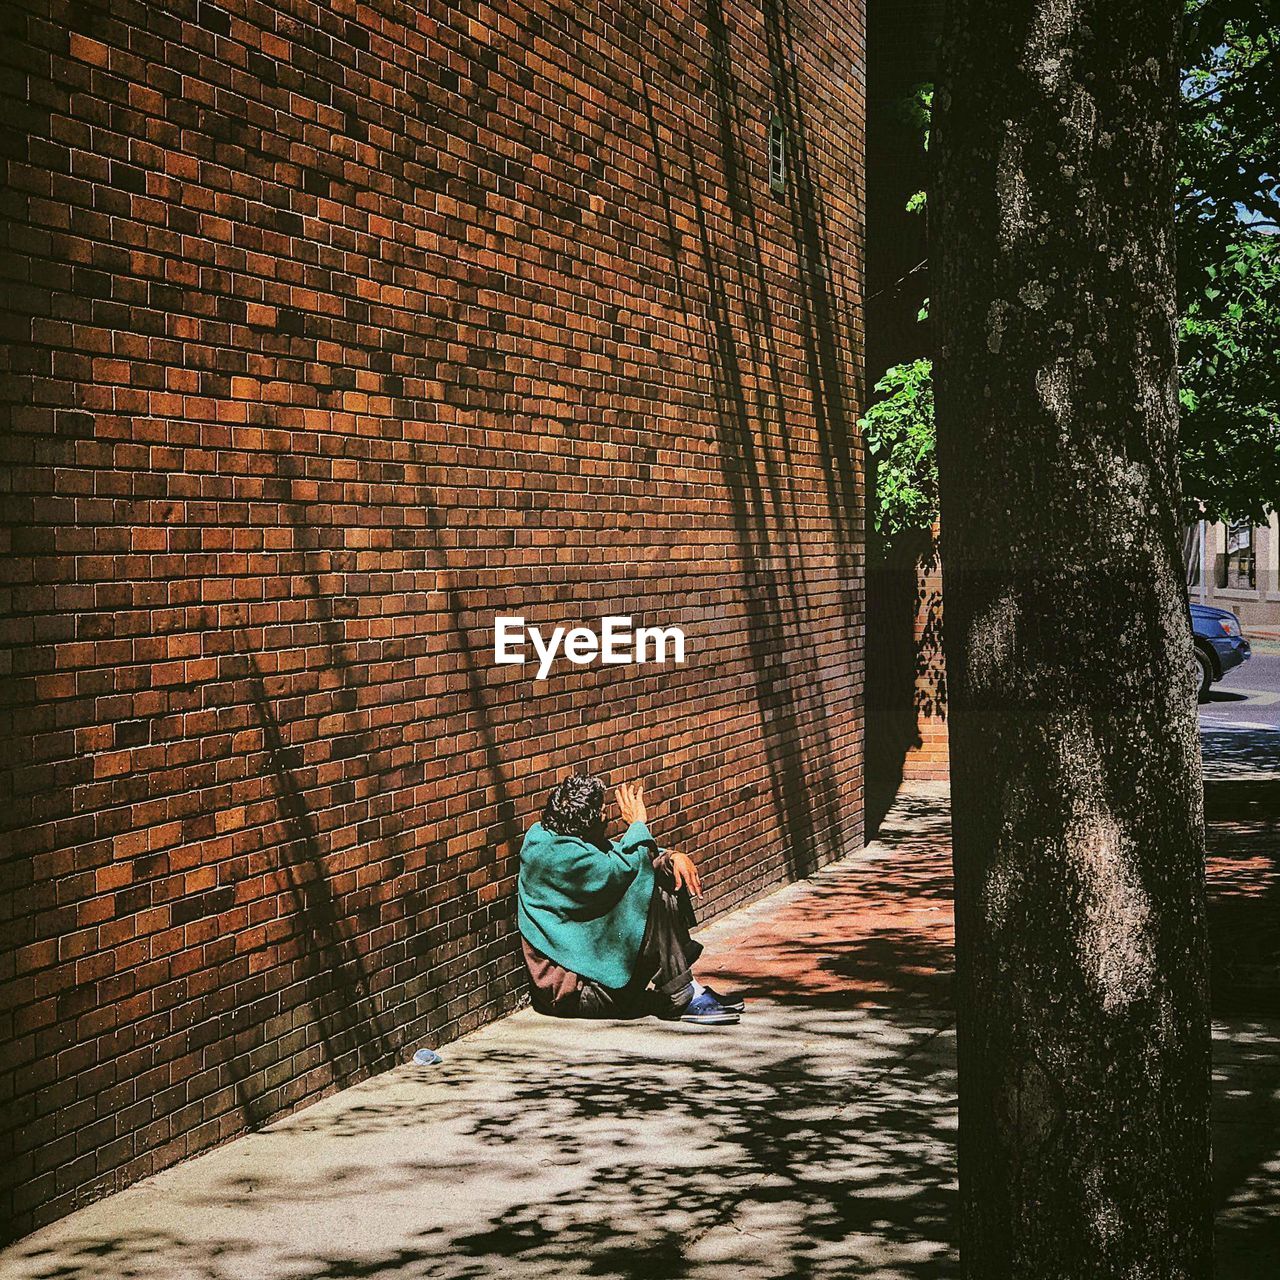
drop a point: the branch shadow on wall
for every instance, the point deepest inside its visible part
(906, 676)
(359, 1032)
(723, 286)
(329, 949)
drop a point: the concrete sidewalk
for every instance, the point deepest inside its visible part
(813, 1140)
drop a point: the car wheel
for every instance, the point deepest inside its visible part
(1201, 675)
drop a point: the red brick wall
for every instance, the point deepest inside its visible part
(333, 330)
(929, 757)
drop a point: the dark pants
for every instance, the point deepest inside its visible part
(666, 960)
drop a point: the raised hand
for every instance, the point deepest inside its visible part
(631, 803)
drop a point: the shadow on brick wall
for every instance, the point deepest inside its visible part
(359, 1033)
(353, 1035)
(413, 938)
(756, 451)
(906, 688)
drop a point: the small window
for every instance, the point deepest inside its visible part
(777, 155)
(1240, 564)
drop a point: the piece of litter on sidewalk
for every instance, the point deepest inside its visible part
(426, 1058)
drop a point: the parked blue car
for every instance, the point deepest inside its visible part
(1219, 646)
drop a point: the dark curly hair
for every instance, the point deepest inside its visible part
(576, 807)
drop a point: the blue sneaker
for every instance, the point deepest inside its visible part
(736, 1004)
(706, 1011)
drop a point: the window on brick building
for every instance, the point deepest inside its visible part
(777, 155)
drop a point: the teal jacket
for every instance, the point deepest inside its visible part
(585, 907)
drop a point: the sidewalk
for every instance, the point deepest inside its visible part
(814, 1140)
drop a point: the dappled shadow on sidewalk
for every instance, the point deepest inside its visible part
(1242, 839)
(815, 1140)
(801, 1149)
(871, 931)
(1246, 1147)
(741, 1155)
(1239, 754)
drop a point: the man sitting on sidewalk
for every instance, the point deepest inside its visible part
(601, 920)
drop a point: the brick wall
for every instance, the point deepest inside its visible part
(332, 331)
(928, 756)
(905, 688)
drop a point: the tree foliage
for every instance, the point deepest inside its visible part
(1228, 228)
(899, 434)
(1229, 435)
(1229, 129)
(1229, 257)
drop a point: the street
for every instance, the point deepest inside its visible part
(1249, 696)
(1240, 736)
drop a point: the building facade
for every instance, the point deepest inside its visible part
(334, 332)
(1236, 565)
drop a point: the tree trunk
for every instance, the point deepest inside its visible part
(1078, 805)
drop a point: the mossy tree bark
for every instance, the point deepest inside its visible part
(1078, 804)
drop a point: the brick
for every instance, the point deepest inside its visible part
(84, 49)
